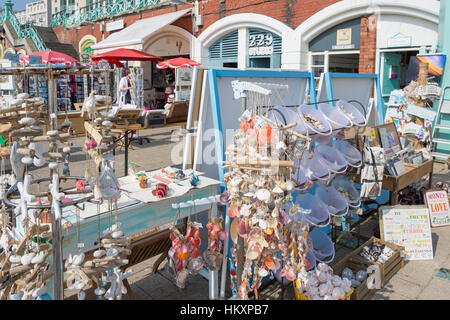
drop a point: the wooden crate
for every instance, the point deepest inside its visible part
(390, 267)
(356, 263)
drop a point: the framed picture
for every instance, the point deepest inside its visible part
(418, 158)
(389, 139)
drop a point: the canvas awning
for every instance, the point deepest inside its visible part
(137, 34)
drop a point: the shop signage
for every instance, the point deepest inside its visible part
(114, 25)
(409, 227)
(399, 40)
(343, 47)
(344, 37)
(6, 82)
(437, 202)
(421, 112)
(260, 44)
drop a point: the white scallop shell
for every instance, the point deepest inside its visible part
(52, 133)
(252, 255)
(66, 149)
(78, 259)
(27, 160)
(27, 120)
(99, 253)
(263, 195)
(263, 224)
(53, 165)
(289, 186)
(26, 259)
(235, 182)
(278, 190)
(117, 234)
(263, 272)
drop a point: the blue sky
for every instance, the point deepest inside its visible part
(18, 4)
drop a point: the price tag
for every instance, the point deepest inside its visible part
(53, 115)
(80, 245)
(259, 122)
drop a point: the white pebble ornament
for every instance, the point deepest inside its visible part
(99, 253)
(26, 259)
(117, 234)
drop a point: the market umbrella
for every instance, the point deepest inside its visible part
(122, 54)
(50, 56)
(177, 63)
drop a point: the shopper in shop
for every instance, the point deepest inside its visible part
(125, 87)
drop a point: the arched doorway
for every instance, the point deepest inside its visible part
(246, 40)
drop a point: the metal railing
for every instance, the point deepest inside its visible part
(98, 10)
(23, 31)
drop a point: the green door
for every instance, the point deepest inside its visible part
(391, 68)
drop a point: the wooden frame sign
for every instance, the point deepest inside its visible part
(409, 227)
(437, 203)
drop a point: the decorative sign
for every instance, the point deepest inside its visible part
(343, 47)
(344, 37)
(409, 227)
(114, 25)
(34, 59)
(399, 40)
(437, 202)
(183, 76)
(421, 112)
(6, 82)
(260, 44)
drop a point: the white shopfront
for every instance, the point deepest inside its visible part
(156, 36)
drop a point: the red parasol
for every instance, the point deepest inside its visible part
(50, 56)
(122, 54)
(177, 63)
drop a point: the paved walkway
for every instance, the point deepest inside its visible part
(417, 280)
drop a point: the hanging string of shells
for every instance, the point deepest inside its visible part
(24, 267)
(113, 247)
(258, 186)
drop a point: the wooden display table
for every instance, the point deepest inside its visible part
(412, 174)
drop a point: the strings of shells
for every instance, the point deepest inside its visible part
(266, 241)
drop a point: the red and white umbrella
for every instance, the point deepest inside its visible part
(177, 63)
(50, 56)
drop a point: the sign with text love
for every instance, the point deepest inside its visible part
(437, 202)
(409, 227)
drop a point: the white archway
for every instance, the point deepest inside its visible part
(350, 9)
(241, 22)
(169, 31)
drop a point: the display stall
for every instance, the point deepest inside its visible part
(67, 237)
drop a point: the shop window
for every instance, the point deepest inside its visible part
(224, 53)
(264, 49)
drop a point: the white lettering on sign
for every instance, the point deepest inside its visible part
(260, 44)
(260, 39)
(260, 51)
(438, 205)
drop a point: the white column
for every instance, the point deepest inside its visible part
(242, 48)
